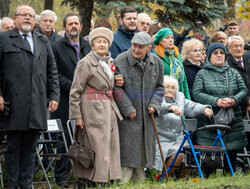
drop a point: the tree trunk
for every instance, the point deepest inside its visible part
(85, 10)
(48, 4)
(4, 8)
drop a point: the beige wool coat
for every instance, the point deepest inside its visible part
(98, 111)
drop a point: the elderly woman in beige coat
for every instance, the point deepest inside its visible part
(92, 106)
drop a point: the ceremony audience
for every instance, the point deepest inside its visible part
(92, 106)
(68, 51)
(191, 56)
(6, 24)
(140, 96)
(169, 124)
(210, 87)
(126, 31)
(29, 82)
(171, 58)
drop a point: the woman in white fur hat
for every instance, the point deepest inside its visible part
(92, 106)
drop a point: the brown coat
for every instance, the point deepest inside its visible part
(99, 114)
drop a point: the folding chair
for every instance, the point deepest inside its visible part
(50, 152)
(244, 157)
(201, 151)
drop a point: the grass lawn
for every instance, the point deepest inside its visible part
(239, 181)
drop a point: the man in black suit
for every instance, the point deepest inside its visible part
(68, 51)
(27, 66)
(236, 60)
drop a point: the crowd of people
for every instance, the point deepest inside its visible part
(110, 84)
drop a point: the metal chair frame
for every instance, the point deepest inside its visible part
(51, 153)
(195, 150)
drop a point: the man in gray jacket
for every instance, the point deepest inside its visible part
(141, 95)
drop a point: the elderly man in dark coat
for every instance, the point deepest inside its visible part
(141, 95)
(27, 68)
(236, 60)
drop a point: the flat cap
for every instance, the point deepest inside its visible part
(232, 23)
(141, 38)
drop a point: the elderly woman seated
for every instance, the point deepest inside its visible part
(169, 124)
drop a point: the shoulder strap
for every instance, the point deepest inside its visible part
(227, 83)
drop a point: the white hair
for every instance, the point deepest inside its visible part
(143, 15)
(48, 12)
(5, 19)
(171, 79)
(234, 37)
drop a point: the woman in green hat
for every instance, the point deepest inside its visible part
(171, 58)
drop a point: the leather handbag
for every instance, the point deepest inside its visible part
(226, 115)
(80, 154)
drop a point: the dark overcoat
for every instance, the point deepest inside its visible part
(25, 77)
(191, 70)
(66, 60)
(53, 37)
(140, 90)
(244, 72)
(209, 86)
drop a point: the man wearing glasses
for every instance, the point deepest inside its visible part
(242, 64)
(27, 69)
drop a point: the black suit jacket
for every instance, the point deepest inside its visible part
(24, 77)
(66, 59)
(244, 72)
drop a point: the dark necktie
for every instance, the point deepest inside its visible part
(25, 39)
(77, 51)
(240, 62)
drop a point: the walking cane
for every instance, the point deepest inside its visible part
(159, 144)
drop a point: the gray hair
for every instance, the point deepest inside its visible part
(143, 15)
(5, 19)
(17, 9)
(50, 12)
(171, 79)
(234, 37)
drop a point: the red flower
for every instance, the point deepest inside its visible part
(113, 68)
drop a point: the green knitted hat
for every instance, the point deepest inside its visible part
(161, 34)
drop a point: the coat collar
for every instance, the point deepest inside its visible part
(19, 42)
(231, 59)
(132, 61)
(190, 64)
(95, 62)
(128, 34)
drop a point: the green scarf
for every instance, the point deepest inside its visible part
(176, 69)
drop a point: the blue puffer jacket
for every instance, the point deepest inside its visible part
(121, 42)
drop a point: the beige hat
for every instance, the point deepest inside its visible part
(101, 32)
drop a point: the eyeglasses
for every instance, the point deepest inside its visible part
(237, 46)
(170, 87)
(216, 53)
(197, 50)
(26, 15)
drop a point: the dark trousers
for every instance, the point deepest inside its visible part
(20, 158)
(63, 166)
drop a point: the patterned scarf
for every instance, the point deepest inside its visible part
(103, 62)
(176, 69)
